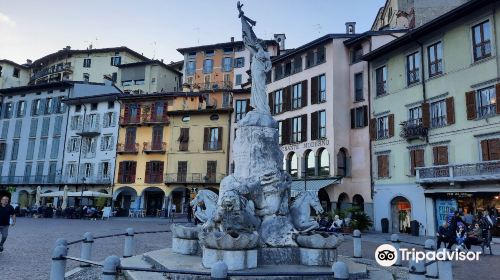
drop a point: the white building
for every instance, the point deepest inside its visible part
(13, 74)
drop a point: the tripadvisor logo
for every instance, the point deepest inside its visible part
(387, 255)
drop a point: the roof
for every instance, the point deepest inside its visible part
(431, 26)
(103, 50)
(220, 46)
(91, 98)
(362, 36)
(35, 87)
(13, 63)
(313, 43)
(149, 62)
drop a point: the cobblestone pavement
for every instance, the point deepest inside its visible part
(28, 250)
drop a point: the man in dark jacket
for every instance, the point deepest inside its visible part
(6, 213)
(443, 234)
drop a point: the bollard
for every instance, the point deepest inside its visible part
(356, 240)
(219, 271)
(340, 271)
(431, 269)
(86, 252)
(128, 248)
(58, 267)
(396, 243)
(416, 270)
(110, 268)
(444, 267)
(61, 241)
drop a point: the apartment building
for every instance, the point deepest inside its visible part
(148, 77)
(435, 124)
(13, 74)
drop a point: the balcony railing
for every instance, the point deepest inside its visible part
(155, 119)
(413, 130)
(90, 130)
(52, 179)
(193, 178)
(131, 120)
(87, 180)
(154, 179)
(153, 147)
(127, 148)
(215, 85)
(47, 71)
(481, 171)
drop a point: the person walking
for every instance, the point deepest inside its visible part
(6, 213)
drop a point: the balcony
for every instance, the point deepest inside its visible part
(30, 180)
(413, 130)
(154, 179)
(216, 85)
(127, 148)
(51, 70)
(155, 119)
(131, 120)
(150, 148)
(193, 178)
(126, 179)
(90, 130)
(470, 172)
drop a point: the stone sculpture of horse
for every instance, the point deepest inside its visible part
(300, 211)
(206, 204)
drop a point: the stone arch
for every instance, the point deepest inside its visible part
(358, 201)
(152, 200)
(292, 164)
(23, 199)
(400, 214)
(125, 197)
(325, 199)
(343, 201)
(323, 163)
(343, 162)
(310, 163)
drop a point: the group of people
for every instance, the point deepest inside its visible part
(328, 224)
(49, 211)
(467, 230)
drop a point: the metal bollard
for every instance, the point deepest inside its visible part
(86, 252)
(340, 271)
(417, 270)
(396, 243)
(61, 241)
(58, 267)
(431, 269)
(110, 268)
(128, 248)
(356, 240)
(445, 270)
(219, 271)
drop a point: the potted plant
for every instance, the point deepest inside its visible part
(359, 219)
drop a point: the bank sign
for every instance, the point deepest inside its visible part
(305, 145)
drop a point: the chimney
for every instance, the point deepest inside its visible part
(29, 61)
(350, 27)
(280, 38)
(232, 39)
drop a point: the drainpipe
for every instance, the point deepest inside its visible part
(424, 94)
(372, 183)
(65, 134)
(80, 152)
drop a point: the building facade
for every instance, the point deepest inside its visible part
(13, 74)
(435, 129)
(148, 77)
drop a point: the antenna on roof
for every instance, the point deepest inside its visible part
(318, 27)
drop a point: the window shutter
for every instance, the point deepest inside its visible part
(126, 111)
(206, 136)
(133, 166)
(419, 158)
(435, 154)
(165, 110)
(386, 165)
(248, 108)
(391, 125)
(112, 143)
(353, 118)
(314, 125)
(106, 120)
(497, 94)
(365, 115)
(373, 129)
(303, 126)
(99, 170)
(314, 90)
(425, 115)
(484, 150)
(270, 96)
(442, 155)
(412, 162)
(148, 172)
(152, 112)
(304, 93)
(92, 168)
(450, 110)
(160, 169)
(121, 171)
(93, 147)
(219, 139)
(68, 147)
(286, 131)
(139, 109)
(470, 103)
(113, 119)
(494, 148)
(103, 143)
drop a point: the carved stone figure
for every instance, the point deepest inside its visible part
(206, 204)
(300, 211)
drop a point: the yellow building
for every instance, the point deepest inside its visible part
(164, 155)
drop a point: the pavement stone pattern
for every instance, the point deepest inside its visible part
(28, 250)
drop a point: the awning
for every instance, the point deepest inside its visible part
(52, 194)
(313, 185)
(89, 194)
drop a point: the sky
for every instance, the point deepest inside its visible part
(30, 29)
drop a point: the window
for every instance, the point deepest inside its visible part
(208, 65)
(227, 63)
(438, 113)
(107, 143)
(86, 77)
(116, 60)
(381, 80)
(238, 79)
(78, 108)
(73, 145)
(293, 165)
(209, 53)
(12, 169)
(440, 154)
(296, 129)
(5, 129)
(415, 115)
(359, 117)
(127, 83)
(105, 169)
(322, 88)
(481, 37)
(297, 96)
(45, 127)
(383, 127)
(190, 67)
(213, 138)
(154, 172)
(435, 57)
(184, 139)
(342, 163)
(356, 54)
(297, 64)
(412, 68)
(111, 104)
(239, 62)
(3, 147)
(54, 150)
(76, 122)
(320, 55)
(416, 160)
(211, 171)
(186, 118)
(280, 132)
(21, 109)
(16, 72)
(288, 68)
(109, 119)
(15, 150)
(42, 149)
(324, 162)
(278, 101)
(139, 82)
(86, 62)
(7, 111)
(31, 149)
(241, 108)
(383, 166)
(58, 126)
(27, 171)
(71, 170)
(309, 59)
(358, 87)
(486, 102)
(87, 170)
(181, 171)
(33, 127)
(35, 108)
(490, 149)
(322, 124)
(192, 55)
(278, 72)
(93, 106)
(49, 106)
(17, 129)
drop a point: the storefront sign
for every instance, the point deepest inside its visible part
(459, 194)
(306, 145)
(443, 208)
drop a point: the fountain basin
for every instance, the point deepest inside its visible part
(319, 240)
(185, 231)
(229, 240)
